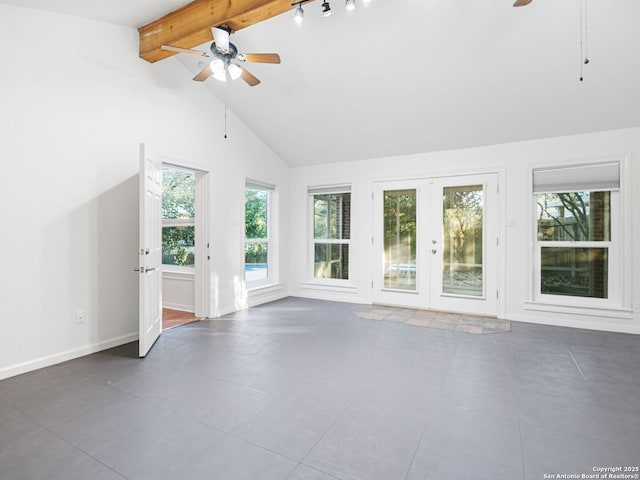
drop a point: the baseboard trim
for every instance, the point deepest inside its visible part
(586, 325)
(49, 360)
(178, 306)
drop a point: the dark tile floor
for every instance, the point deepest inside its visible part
(303, 389)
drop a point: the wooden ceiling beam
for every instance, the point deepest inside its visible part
(190, 25)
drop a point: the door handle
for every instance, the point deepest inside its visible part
(144, 270)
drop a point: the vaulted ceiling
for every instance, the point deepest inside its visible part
(409, 76)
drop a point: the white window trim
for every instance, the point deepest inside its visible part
(339, 283)
(618, 305)
(270, 240)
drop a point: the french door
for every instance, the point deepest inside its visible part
(436, 243)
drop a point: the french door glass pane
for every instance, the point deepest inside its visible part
(575, 271)
(400, 239)
(256, 261)
(331, 260)
(462, 252)
(574, 217)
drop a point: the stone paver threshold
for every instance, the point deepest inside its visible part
(433, 319)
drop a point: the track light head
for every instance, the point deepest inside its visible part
(351, 4)
(298, 16)
(326, 9)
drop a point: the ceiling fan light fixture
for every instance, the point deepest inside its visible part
(326, 9)
(298, 16)
(234, 71)
(218, 70)
(220, 76)
(351, 4)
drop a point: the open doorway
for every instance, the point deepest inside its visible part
(182, 241)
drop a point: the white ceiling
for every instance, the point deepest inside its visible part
(408, 76)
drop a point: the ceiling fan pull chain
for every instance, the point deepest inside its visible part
(225, 114)
(586, 32)
(584, 38)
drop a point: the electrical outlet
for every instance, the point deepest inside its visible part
(80, 316)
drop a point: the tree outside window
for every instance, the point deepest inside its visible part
(256, 221)
(574, 234)
(178, 217)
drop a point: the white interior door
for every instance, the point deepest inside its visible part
(150, 250)
(437, 243)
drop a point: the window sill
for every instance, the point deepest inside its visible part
(573, 309)
(264, 289)
(182, 272)
(336, 286)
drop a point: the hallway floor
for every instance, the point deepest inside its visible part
(305, 389)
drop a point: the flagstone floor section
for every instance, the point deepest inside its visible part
(434, 319)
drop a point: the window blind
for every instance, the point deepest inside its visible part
(329, 189)
(258, 185)
(580, 178)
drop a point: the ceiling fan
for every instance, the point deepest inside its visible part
(521, 3)
(223, 53)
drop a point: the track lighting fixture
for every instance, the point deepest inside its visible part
(326, 9)
(299, 14)
(351, 4)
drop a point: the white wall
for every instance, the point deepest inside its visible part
(513, 161)
(178, 291)
(75, 103)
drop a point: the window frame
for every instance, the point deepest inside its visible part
(312, 192)
(617, 281)
(268, 240)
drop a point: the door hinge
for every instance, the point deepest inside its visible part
(371, 195)
(371, 283)
(372, 241)
(497, 293)
(497, 241)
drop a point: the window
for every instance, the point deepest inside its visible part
(576, 232)
(178, 217)
(257, 227)
(331, 231)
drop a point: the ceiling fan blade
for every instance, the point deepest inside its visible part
(221, 37)
(521, 3)
(203, 74)
(260, 57)
(171, 48)
(248, 77)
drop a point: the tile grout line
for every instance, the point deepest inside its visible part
(577, 366)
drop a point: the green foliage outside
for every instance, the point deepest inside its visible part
(256, 224)
(178, 246)
(178, 194)
(462, 211)
(178, 203)
(400, 225)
